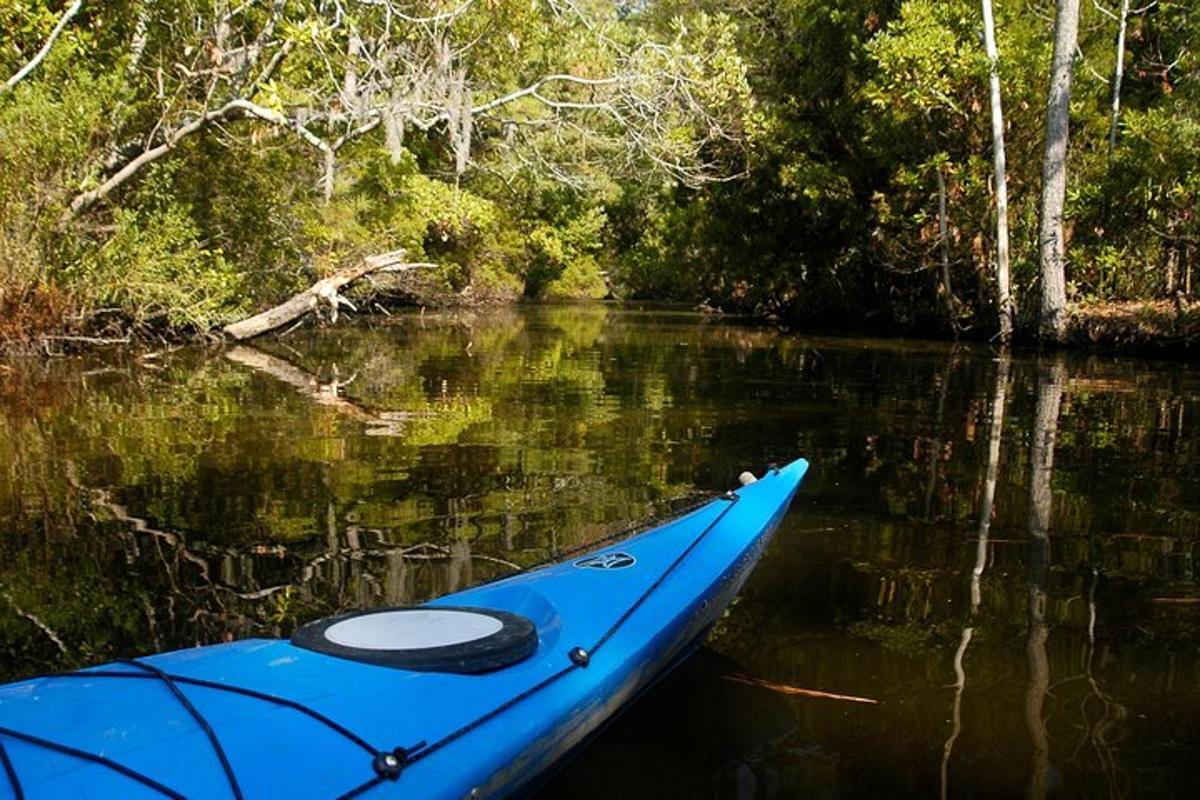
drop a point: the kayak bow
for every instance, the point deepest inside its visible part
(475, 694)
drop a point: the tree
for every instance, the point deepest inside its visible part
(1004, 305)
(1118, 75)
(337, 72)
(1052, 321)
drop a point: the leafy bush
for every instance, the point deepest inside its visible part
(46, 129)
(155, 269)
(562, 255)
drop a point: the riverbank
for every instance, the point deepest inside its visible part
(1148, 325)
(43, 325)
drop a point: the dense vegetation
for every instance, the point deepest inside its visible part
(178, 165)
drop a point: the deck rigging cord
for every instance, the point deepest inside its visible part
(575, 662)
(387, 765)
(11, 772)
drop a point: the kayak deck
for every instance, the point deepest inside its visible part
(265, 718)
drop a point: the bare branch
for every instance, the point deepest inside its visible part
(63, 21)
(447, 16)
(533, 89)
(86, 200)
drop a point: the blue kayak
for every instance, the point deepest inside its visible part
(476, 694)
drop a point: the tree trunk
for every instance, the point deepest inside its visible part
(945, 289)
(1004, 305)
(137, 46)
(328, 174)
(1187, 272)
(1172, 268)
(1118, 74)
(85, 200)
(1053, 319)
(324, 290)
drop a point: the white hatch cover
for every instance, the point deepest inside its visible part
(424, 638)
(412, 629)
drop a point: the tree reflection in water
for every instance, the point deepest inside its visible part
(986, 503)
(163, 500)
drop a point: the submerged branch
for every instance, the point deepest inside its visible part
(36, 621)
(782, 688)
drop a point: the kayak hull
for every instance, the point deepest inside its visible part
(486, 735)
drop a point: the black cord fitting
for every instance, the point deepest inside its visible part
(390, 765)
(579, 657)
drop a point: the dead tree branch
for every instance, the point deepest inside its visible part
(323, 291)
(68, 15)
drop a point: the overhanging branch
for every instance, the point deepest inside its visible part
(68, 15)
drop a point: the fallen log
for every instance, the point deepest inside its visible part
(323, 291)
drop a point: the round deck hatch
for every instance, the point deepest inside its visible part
(431, 639)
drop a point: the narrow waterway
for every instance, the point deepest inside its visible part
(999, 552)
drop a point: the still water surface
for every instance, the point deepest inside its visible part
(1000, 552)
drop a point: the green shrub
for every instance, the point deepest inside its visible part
(154, 268)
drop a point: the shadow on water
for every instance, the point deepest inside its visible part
(707, 731)
(1000, 550)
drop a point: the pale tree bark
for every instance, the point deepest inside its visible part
(1004, 304)
(1187, 274)
(69, 14)
(137, 47)
(1118, 75)
(1172, 261)
(1052, 323)
(323, 291)
(418, 75)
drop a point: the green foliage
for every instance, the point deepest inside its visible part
(45, 130)
(862, 106)
(924, 59)
(563, 255)
(581, 279)
(831, 126)
(236, 213)
(391, 203)
(153, 268)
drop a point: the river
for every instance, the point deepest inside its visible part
(998, 553)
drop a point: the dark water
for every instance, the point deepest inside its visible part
(1002, 553)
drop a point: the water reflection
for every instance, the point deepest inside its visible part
(1041, 499)
(986, 507)
(1000, 549)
